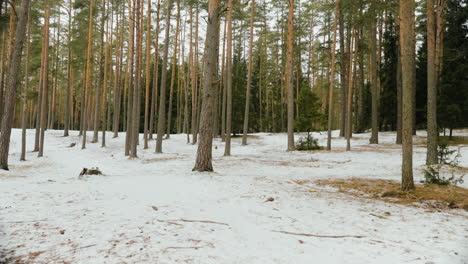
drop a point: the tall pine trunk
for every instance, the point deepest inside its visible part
(408, 69)
(13, 82)
(332, 75)
(162, 98)
(249, 75)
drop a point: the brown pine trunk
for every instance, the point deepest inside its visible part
(173, 73)
(97, 96)
(399, 93)
(374, 85)
(431, 87)
(45, 81)
(162, 98)
(227, 148)
(118, 81)
(249, 76)
(129, 82)
(154, 97)
(343, 73)
(69, 82)
(26, 90)
(349, 116)
(332, 75)
(13, 82)
(147, 74)
(136, 84)
(88, 73)
(210, 82)
(289, 76)
(408, 69)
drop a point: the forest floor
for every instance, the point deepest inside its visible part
(261, 205)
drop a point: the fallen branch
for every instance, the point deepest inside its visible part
(193, 221)
(88, 246)
(169, 222)
(166, 249)
(32, 221)
(313, 235)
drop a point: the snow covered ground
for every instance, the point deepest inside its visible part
(154, 209)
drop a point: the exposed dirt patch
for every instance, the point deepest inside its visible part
(428, 196)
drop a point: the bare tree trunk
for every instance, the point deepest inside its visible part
(343, 73)
(249, 76)
(45, 81)
(162, 98)
(431, 87)
(210, 82)
(136, 87)
(97, 97)
(154, 96)
(332, 75)
(173, 76)
(88, 72)
(118, 82)
(13, 82)
(227, 148)
(69, 81)
(129, 82)
(289, 76)
(408, 68)
(224, 83)
(374, 80)
(349, 116)
(399, 94)
(26, 90)
(194, 125)
(147, 74)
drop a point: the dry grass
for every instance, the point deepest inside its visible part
(433, 196)
(455, 140)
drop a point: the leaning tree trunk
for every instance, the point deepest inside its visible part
(162, 98)
(13, 82)
(408, 68)
(210, 82)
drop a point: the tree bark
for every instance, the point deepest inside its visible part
(227, 148)
(45, 81)
(26, 90)
(162, 98)
(408, 69)
(431, 87)
(13, 82)
(88, 72)
(289, 76)
(332, 76)
(147, 74)
(173, 73)
(210, 82)
(374, 79)
(249, 75)
(349, 116)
